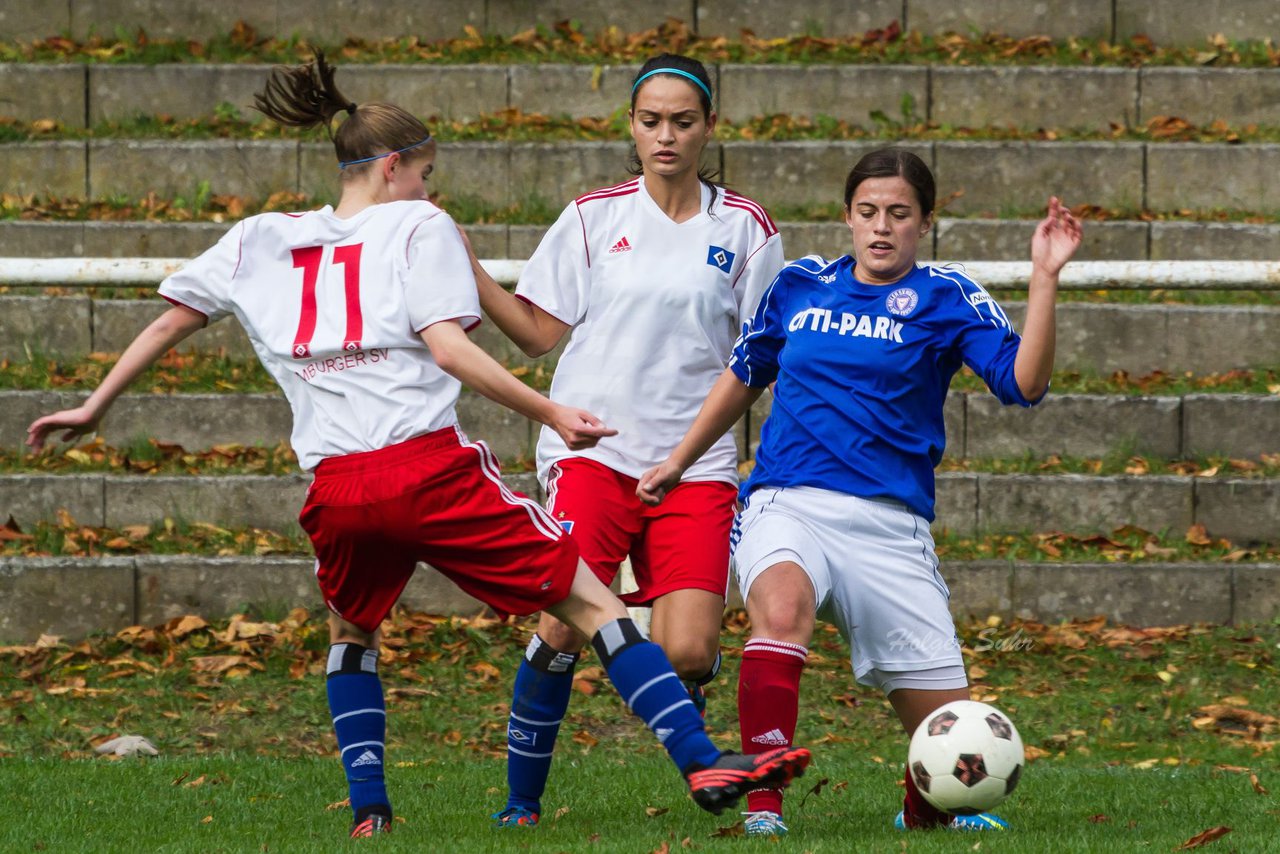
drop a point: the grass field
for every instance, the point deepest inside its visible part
(1139, 739)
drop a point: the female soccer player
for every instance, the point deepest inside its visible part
(836, 513)
(652, 276)
(359, 312)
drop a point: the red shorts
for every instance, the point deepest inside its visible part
(437, 498)
(682, 544)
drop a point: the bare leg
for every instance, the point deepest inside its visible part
(686, 624)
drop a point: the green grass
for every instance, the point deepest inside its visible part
(514, 125)
(191, 373)
(567, 42)
(250, 803)
(1127, 752)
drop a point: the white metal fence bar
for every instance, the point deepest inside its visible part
(995, 275)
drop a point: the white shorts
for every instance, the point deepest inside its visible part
(874, 574)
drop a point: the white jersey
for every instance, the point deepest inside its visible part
(655, 307)
(333, 307)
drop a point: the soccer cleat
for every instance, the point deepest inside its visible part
(699, 698)
(719, 787)
(981, 821)
(515, 817)
(372, 825)
(764, 823)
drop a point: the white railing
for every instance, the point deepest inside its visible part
(996, 275)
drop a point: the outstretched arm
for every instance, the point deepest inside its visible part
(1056, 239)
(461, 358)
(533, 330)
(163, 333)
(728, 401)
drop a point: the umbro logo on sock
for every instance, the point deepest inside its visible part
(663, 733)
(366, 758)
(520, 736)
(622, 245)
(773, 736)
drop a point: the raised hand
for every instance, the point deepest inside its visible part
(1056, 239)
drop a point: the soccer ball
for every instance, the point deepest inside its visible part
(965, 757)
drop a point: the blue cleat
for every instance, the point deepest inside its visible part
(764, 823)
(981, 821)
(514, 817)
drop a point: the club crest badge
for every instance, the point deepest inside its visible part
(902, 302)
(720, 257)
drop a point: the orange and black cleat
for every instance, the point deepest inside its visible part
(719, 787)
(371, 825)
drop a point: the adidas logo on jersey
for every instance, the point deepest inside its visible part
(622, 245)
(773, 736)
(366, 758)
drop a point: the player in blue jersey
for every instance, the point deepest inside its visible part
(835, 515)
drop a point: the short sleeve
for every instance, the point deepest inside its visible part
(438, 281)
(760, 271)
(204, 284)
(988, 344)
(757, 351)
(557, 278)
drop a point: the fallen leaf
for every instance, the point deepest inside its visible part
(1197, 536)
(1204, 838)
(1257, 784)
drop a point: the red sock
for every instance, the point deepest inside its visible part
(917, 812)
(768, 705)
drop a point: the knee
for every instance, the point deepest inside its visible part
(340, 631)
(789, 620)
(691, 658)
(560, 636)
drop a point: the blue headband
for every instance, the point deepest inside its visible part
(343, 164)
(685, 74)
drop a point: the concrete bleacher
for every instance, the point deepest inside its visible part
(993, 186)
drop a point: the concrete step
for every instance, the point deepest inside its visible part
(952, 238)
(1237, 509)
(1025, 97)
(978, 177)
(113, 593)
(328, 21)
(1092, 337)
(1173, 427)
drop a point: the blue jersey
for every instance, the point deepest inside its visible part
(862, 373)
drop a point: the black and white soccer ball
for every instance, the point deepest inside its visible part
(965, 757)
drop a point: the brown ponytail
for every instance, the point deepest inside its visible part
(305, 96)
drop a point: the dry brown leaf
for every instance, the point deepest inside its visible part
(1204, 838)
(1198, 536)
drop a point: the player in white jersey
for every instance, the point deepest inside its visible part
(650, 279)
(835, 518)
(359, 312)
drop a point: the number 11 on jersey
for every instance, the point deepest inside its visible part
(309, 259)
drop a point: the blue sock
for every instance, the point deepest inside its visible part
(639, 669)
(360, 723)
(543, 684)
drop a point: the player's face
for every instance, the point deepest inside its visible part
(668, 126)
(408, 179)
(887, 223)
